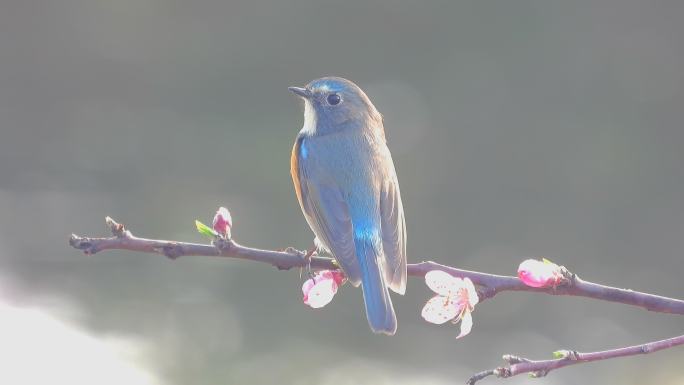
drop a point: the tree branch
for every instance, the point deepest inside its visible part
(488, 285)
(519, 365)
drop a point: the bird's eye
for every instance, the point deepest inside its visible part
(334, 99)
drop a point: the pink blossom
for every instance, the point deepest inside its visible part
(320, 290)
(455, 300)
(542, 273)
(222, 222)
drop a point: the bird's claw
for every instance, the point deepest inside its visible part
(307, 258)
(291, 250)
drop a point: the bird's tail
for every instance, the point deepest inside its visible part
(379, 310)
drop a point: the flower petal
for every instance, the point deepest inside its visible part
(338, 277)
(439, 309)
(321, 293)
(323, 274)
(473, 299)
(466, 324)
(443, 283)
(306, 288)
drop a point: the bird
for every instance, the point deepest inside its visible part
(347, 188)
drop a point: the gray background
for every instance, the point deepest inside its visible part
(518, 128)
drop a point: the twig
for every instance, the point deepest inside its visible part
(519, 365)
(489, 284)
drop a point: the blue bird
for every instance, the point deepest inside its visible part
(347, 188)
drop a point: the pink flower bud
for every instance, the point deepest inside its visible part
(320, 290)
(222, 222)
(336, 275)
(536, 273)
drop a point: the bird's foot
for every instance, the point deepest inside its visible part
(291, 250)
(312, 251)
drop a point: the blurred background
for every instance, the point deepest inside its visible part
(518, 129)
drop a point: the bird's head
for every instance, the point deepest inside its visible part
(333, 104)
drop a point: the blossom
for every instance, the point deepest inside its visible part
(542, 273)
(222, 222)
(455, 300)
(320, 290)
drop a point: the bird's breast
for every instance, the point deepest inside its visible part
(347, 160)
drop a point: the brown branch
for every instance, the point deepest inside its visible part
(488, 284)
(519, 365)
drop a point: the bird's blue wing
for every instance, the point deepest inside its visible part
(393, 234)
(332, 224)
(327, 213)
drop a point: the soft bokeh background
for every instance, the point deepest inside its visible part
(518, 128)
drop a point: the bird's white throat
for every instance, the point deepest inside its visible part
(309, 118)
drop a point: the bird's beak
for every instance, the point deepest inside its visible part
(303, 92)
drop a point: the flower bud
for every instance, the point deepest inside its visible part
(222, 222)
(536, 273)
